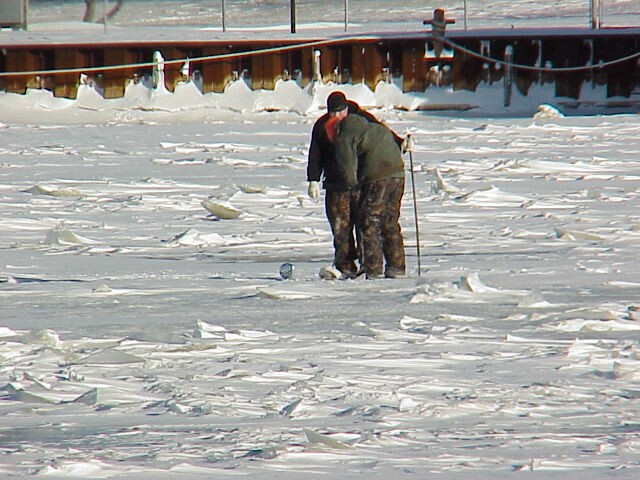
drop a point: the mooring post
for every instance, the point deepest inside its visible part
(158, 69)
(508, 74)
(438, 26)
(317, 73)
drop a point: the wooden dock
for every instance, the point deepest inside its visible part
(564, 57)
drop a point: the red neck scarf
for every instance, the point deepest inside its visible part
(331, 128)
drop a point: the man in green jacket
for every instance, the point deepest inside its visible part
(341, 200)
(368, 157)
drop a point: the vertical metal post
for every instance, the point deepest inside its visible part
(465, 14)
(317, 73)
(224, 27)
(25, 12)
(293, 16)
(508, 75)
(346, 15)
(595, 14)
(104, 15)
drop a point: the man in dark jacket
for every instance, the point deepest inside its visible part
(341, 199)
(368, 157)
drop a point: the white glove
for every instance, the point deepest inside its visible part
(314, 190)
(407, 144)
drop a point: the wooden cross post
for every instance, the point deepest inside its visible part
(438, 26)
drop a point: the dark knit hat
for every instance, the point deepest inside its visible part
(336, 102)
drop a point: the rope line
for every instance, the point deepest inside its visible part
(519, 66)
(222, 56)
(297, 46)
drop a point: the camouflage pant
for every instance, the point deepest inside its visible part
(342, 212)
(380, 228)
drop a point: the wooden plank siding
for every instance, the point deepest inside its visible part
(391, 57)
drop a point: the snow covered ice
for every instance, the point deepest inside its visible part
(145, 329)
(141, 333)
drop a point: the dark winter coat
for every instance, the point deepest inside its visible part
(322, 152)
(366, 152)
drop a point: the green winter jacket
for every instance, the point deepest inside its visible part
(367, 152)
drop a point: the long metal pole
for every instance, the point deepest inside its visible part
(465, 14)
(346, 15)
(415, 210)
(595, 14)
(224, 26)
(25, 13)
(293, 16)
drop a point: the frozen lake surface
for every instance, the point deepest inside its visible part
(142, 334)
